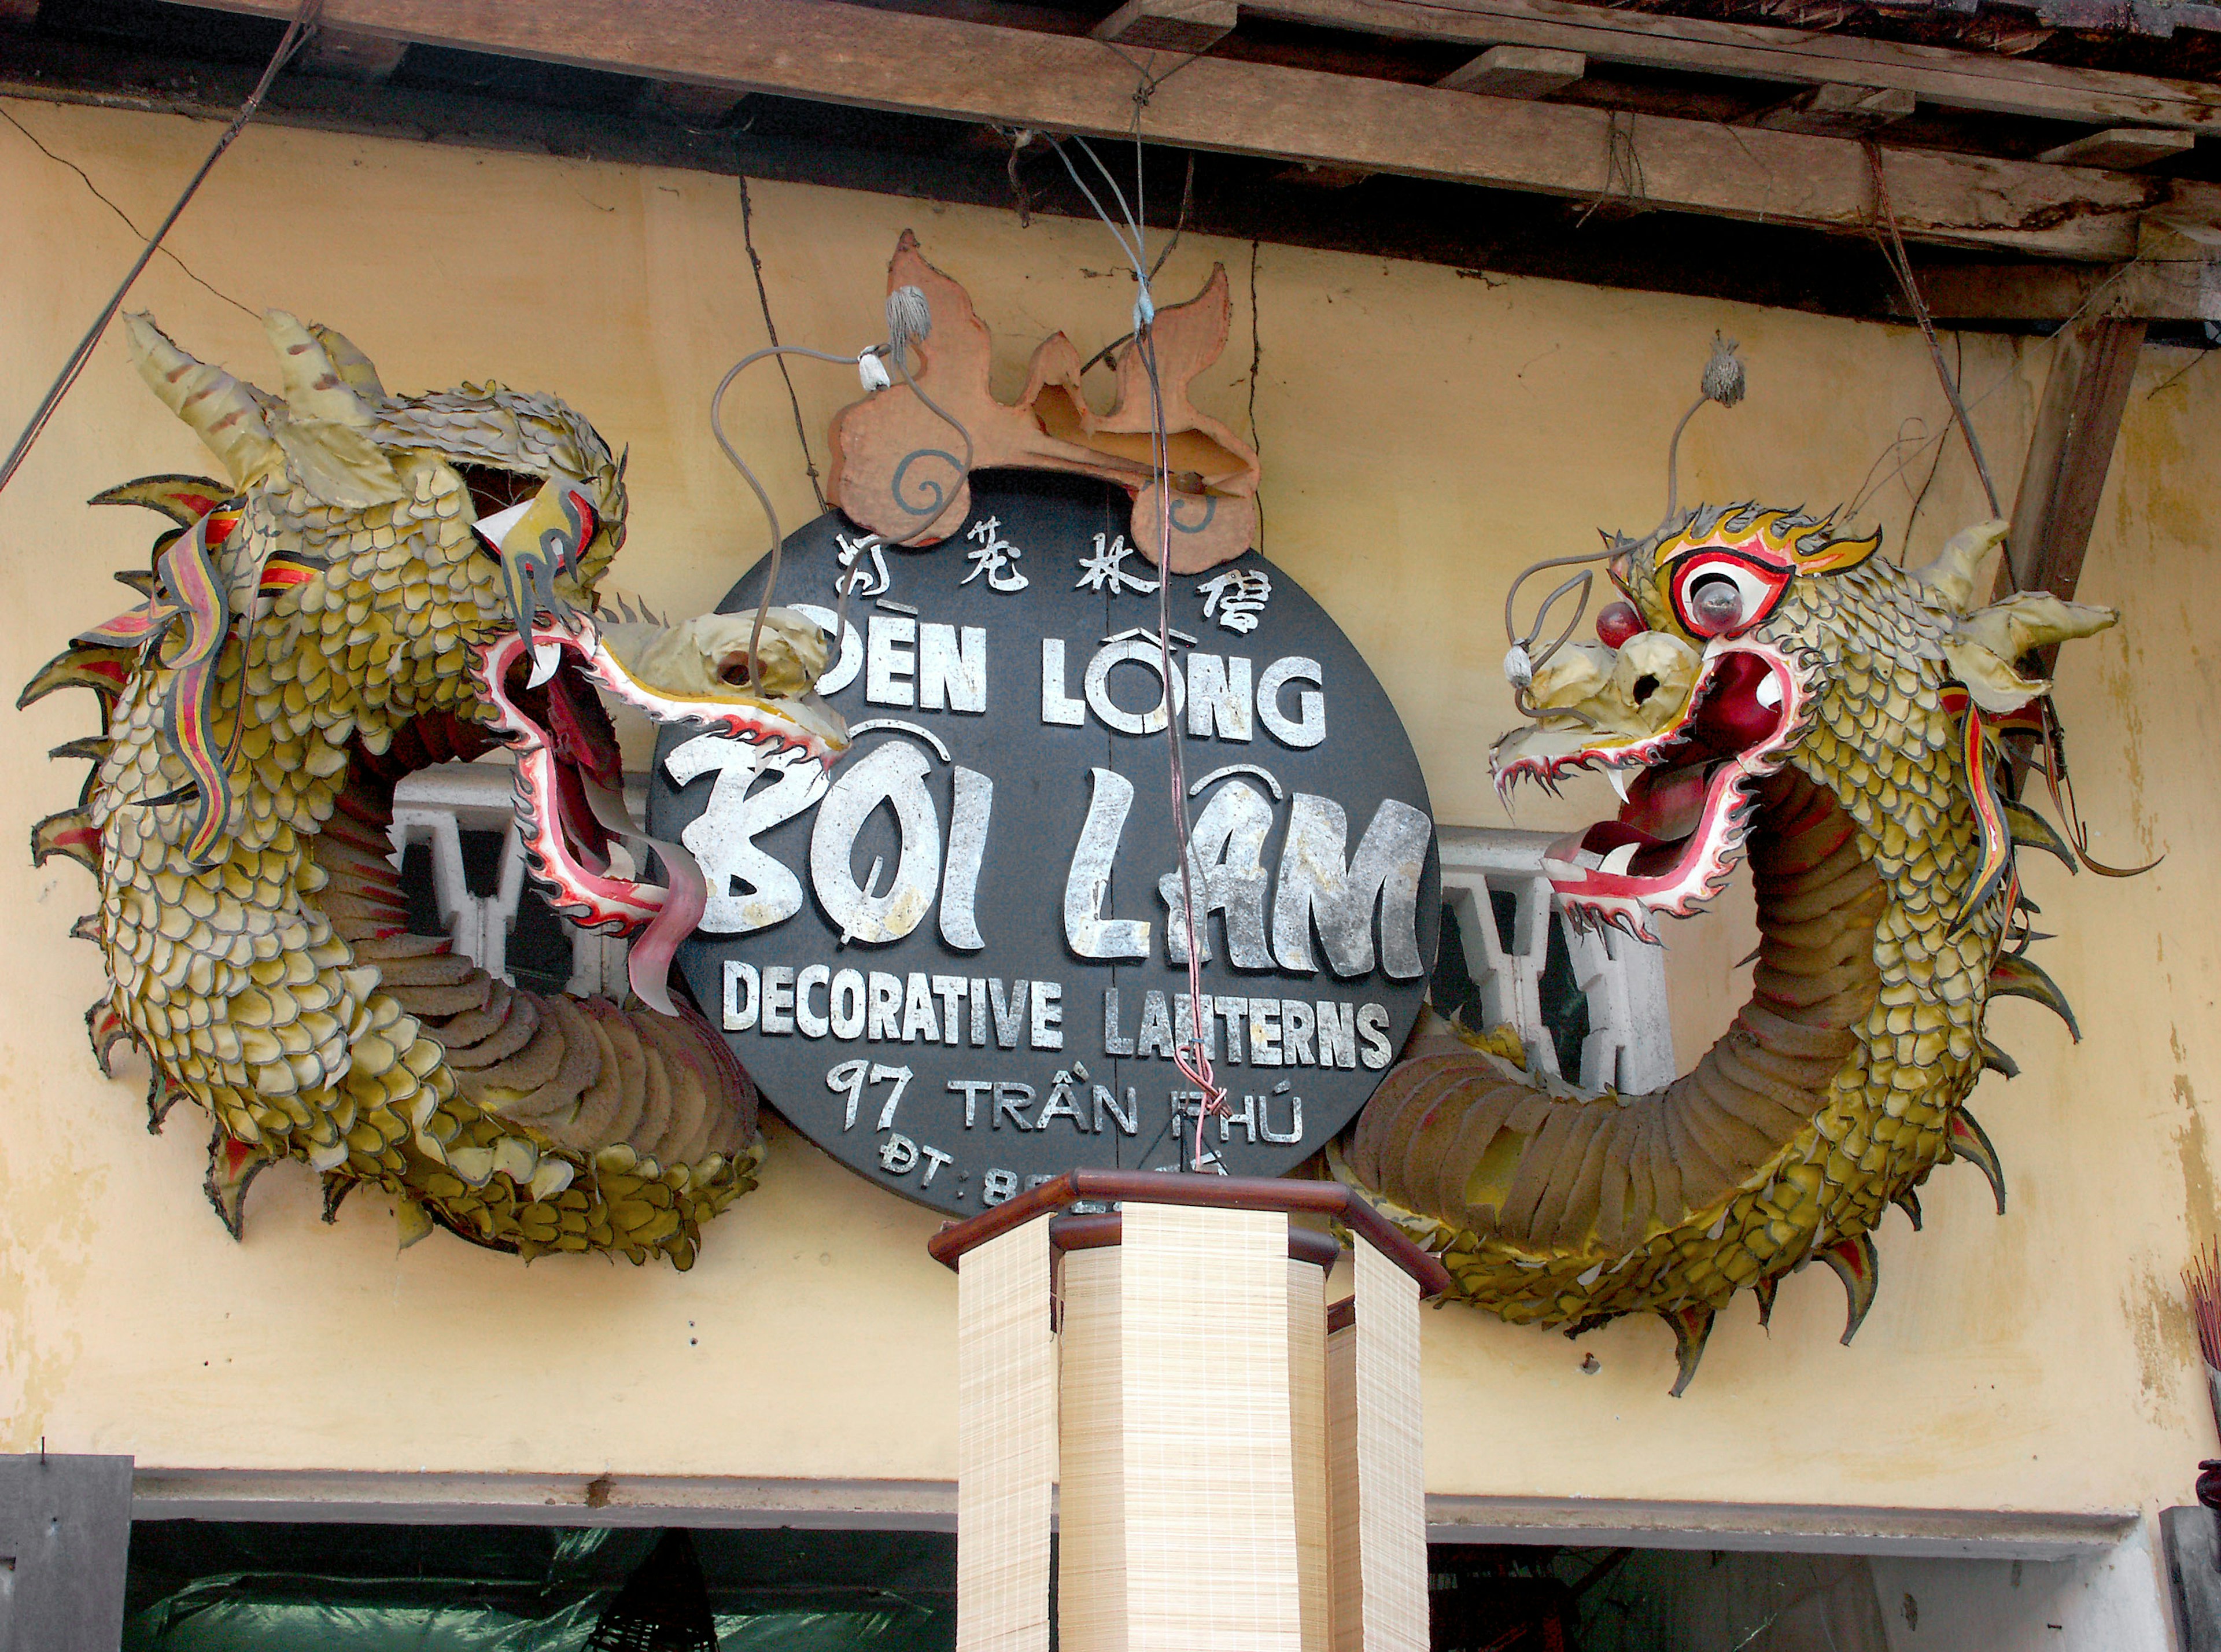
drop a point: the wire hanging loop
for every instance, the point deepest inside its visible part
(1520, 662)
(910, 319)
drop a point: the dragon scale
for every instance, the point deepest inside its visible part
(384, 583)
(1827, 740)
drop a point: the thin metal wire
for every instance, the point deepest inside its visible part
(1189, 1056)
(1900, 265)
(771, 332)
(890, 351)
(763, 498)
(296, 36)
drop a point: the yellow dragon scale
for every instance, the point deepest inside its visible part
(273, 979)
(1827, 738)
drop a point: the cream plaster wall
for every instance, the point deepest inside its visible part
(1424, 432)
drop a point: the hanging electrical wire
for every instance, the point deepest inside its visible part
(1900, 266)
(909, 320)
(1190, 1053)
(296, 36)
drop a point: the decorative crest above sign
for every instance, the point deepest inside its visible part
(894, 474)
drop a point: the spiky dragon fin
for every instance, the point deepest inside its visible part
(1859, 1267)
(1970, 1142)
(2016, 978)
(2031, 830)
(1995, 840)
(104, 670)
(1693, 1327)
(1909, 1202)
(1764, 1287)
(184, 499)
(92, 748)
(103, 1026)
(70, 832)
(161, 1096)
(233, 1167)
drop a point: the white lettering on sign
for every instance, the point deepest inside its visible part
(1308, 727)
(1227, 874)
(1087, 882)
(1057, 706)
(1141, 651)
(949, 672)
(1235, 597)
(893, 774)
(1218, 697)
(963, 1090)
(1214, 693)
(993, 557)
(872, 581)
(748, 889)
(1318, 886)
(888, 661)
(1106, 570)
(1279, 1032)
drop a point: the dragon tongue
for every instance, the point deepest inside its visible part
(1667, 806)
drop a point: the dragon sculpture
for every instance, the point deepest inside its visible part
(1776, 691)
(385, 582)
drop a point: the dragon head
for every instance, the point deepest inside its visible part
(435, 559)
(1753, 639)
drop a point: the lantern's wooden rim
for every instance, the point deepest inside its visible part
(1328, 1198)
(1100, 1229)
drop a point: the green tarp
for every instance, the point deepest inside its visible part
(210, 1587)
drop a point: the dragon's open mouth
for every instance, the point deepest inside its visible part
(1687, 789)
(569, 792)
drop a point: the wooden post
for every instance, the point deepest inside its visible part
(2076, 424)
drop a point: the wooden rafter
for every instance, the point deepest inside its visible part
(1974, 80)
(843, 54)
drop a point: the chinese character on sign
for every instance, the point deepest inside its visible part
(1105, 569)
(1236, 597)
(861, 582)
(994, 557)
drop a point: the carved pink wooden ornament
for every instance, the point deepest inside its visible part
(898, 467)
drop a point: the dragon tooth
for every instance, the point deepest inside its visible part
(1768, 691)
(1618, 778)
(1618, 861)
(546, 656)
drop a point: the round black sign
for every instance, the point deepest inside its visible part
(957, 958)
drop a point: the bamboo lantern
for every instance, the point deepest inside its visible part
(1240, 1462)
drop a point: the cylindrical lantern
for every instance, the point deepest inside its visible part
(1239, 1463)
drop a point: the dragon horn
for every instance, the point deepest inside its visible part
(1951, 575)
(221, 410)
(315, 388)
(353, 366)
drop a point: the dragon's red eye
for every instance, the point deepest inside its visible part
(1718, 593)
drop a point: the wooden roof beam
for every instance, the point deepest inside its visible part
(1840, 111)
(1518, 71)
(2175, 277)
(835, 53)
(1169, 25)
(1975, 80)
(2121, 149)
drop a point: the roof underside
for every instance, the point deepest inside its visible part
(2098, 123)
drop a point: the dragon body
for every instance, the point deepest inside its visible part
(1782, 694)
(383, 582)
